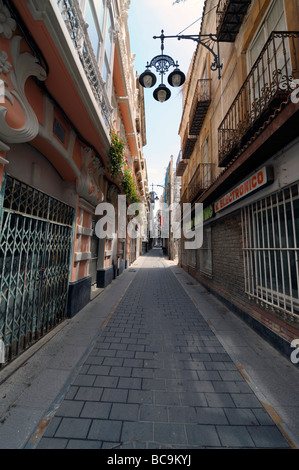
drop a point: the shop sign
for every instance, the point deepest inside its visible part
(206, 214)
(260, 179)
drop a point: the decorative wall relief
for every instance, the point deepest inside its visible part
(24, 65)
(7, 23)
(90, 181)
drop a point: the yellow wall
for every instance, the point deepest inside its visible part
(234, 72)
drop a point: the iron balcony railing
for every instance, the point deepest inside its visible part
(201, 180)
(269, 83)
(188, 143)
(200, 105)
(203, 177)
(77, 29)
(230, 15)
(181, 165)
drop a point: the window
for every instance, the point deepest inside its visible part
(100, 28)
(93, 27)
(274, 21)
(270, 243)
(206, 165)
(191, 258)
(276, 62)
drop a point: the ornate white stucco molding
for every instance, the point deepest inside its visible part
(24, 66)
(89, 182)
(7, 23)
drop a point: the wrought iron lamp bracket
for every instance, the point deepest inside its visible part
(206, 40)
(162, 63)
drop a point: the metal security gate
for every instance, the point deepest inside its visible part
(271, 251)
(35, 246)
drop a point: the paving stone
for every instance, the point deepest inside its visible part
(121, 371)
(240, 416)
(211, 416)
(115, 395)
(51, 444)
(87, 380)
(137, 432)
(153, 384)
(202, 436)
(83, 444)
(235, 436)
(193, 399)
(182, 414)
(158, 377)
(106, 382)
(268, 437)
(113, 361)
(262, 416)
(73, 428)
(89, 393)
(221, 400)
(124, 411)
(96, 410)
(130, 383)
(170, 433)
(153, 413)
(246, 400)
(140, 372)
(137, 396)
(70, 408)
(167, 398)
(105, 430)
(208, 375)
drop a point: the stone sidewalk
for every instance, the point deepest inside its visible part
(157, 376)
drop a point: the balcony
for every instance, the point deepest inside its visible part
(76, 25)
(200, 105)
(268, 85)
(201, 180)
(181, 165)
(230, 15)
(195, 185)
(188, 144)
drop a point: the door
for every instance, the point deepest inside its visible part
(35, 247)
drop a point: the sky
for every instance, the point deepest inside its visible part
(147, 19)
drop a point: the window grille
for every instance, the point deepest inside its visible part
(35, 247)
(270, 244)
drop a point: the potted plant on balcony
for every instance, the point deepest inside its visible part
(119, 168)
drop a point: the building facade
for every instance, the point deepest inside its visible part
(240, 159)
(67, 79)
(171, 200)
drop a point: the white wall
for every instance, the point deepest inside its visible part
(30, 166)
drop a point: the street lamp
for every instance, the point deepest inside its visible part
(162, 64)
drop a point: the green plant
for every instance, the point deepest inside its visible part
(129, 186)
(119, 168)
(116, 155)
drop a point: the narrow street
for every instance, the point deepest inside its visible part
(157, 375)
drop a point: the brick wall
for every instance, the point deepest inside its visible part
(228, 268)
(228, 277)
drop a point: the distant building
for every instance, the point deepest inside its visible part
(239, 158)
(67, 78)
(170, 197)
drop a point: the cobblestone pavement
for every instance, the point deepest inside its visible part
(158, 377)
